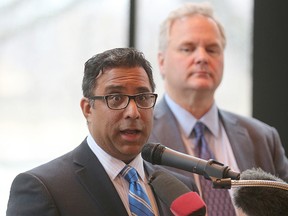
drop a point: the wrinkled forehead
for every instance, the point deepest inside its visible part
(124, 78)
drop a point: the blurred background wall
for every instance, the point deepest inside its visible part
(44, 45)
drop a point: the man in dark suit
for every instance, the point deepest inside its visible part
(191, 62)
(118, 106)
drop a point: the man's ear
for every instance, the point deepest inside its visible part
(161, 60)
(86, 108)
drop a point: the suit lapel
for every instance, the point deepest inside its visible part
(239, 140)
(167, 128)
(97, 183)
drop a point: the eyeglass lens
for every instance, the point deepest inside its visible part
(121, 101)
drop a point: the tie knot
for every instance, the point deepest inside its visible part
(130, 174)
(199, 129)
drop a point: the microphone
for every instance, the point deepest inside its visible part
(174, 193)
(259, 193)
(156, 153)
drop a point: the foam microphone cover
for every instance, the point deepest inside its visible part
(188, 204)
(175, 194)
(261, 201)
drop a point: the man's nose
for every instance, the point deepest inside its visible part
(132, 110)
(201, 55)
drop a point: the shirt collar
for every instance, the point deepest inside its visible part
(112, 165)
(187, 121)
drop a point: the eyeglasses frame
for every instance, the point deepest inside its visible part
(104, 97)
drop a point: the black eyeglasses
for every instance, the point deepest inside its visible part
(121, 101)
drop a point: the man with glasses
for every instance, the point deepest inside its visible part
(118, 90)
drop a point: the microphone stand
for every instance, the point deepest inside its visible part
(227, 183)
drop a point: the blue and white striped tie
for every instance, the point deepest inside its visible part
(138, 199)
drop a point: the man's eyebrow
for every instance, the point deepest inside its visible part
(143, 89)
(188, 43)
(117, 88)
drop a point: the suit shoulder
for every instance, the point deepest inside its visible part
(52, 166)
(248, 122)
(62, 164)
(62, 167)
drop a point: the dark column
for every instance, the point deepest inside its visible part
(270, 65)
(132, 23)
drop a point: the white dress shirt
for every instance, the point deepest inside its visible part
(113, 167)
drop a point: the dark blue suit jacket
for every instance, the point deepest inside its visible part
(74, 184)
(254, 143)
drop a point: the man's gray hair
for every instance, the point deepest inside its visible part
(188, 9)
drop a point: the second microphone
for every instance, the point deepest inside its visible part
(156, 153)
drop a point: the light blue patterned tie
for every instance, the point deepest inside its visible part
(138, 199)
(218, 201)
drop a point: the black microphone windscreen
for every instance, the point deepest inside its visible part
(167, 187)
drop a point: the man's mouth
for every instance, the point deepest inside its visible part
(130, 135)
(130, 131)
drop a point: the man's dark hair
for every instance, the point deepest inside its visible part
(114, 58)
(261, 201)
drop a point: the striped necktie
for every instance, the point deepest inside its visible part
(138, 199)
(218, 201)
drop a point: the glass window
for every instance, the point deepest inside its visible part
(43, 47)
